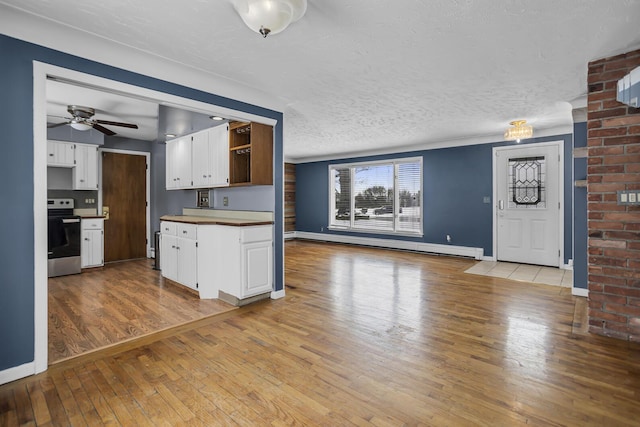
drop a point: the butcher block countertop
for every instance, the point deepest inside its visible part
(205, 220)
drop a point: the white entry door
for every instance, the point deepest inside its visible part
(528, 204)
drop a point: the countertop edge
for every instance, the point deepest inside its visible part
(214, 221)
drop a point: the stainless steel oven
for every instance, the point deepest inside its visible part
(64, 239)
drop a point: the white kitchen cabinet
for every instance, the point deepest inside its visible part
(92, 248)
(85, 172)
(237, 260)
(211, 157)
(178, 257)
(179, 164)
(244, 262)
(60, 154)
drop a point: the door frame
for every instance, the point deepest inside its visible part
(147, 187)
(506, 148)
(41, 73)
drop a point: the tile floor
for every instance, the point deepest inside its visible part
(524, 272)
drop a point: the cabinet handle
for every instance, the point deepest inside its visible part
(184, 231)
(50, 154)
(86, 238)
(204, 176)
(173, 246)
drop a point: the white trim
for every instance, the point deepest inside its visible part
(466, 251)
(429, 145)
(41, 71)
(17, 372)
(566, 267)
(560, 145)
(489, 258)
(580, 292)
(147, 189)
(278, 294)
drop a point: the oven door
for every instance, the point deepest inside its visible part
(64, 237)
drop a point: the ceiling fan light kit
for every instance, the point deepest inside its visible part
(270, 16)
(519, 130)
(82, 120)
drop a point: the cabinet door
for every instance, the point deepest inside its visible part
(187, 263)
(85, 174)
(169, 257)
(219, 156)
(60, 153)
(92, 248)
(257, 268)
(178, 163)
(200, 155)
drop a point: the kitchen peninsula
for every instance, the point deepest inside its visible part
(221, 254)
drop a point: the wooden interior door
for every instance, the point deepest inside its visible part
(124, 193)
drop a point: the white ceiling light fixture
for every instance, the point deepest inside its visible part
(270, 16)
(520, 130)
(80, 124)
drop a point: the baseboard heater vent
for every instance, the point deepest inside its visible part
(464, 251)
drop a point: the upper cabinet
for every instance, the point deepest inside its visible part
(60, 153)
(82, 158)
(210, 157)
(250, 154)
(178, 163)
(85, 174)
(199, 160)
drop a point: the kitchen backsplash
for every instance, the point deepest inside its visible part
(83, 199)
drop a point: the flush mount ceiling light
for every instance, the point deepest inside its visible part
(216, 118)
(520, 130)
(270, 16)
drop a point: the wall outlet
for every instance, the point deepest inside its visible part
(321, 229)
(225, 201)
(448, 238)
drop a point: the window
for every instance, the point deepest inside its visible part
(384, 197)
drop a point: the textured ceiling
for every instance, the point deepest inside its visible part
(369, 75)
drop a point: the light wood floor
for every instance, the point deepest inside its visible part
(363, 337)
(116, 303)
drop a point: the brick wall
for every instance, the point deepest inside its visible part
(614, 230)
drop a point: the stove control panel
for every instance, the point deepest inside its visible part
(60, 203)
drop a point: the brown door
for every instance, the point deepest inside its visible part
(124, 194)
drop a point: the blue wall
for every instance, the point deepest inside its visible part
(16, 173)
(580, 209)
(455, 182)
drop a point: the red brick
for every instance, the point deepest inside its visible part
(632, 168)
(630, 149)
(594, 269)
(627, 64)
(603, 133)
(595, 215)
(627, 235)
(602, 280)
(634, 302)
(613, 327)
(634, 139)
(602, 243)
(595, 160)
(606, 76)
(603, 225)
(614, 299)
(597, 96)
(594, 142)
(611, 103)
(633, 245)
(605, 169)
(594, 251)
(633, 130)
(635, 264)
(620, 272)
(595, 287)
(610, 197)
(594, 178)
(597, 67)
(595, 197)
(621, 216)
(609, 317)
(605, 188)
(607, 151)
(621, 253)
(632, 226)
(621, 177)
(605, 207)
(616, 160)
(621, 121)
(595, 124)
(596, 305)
(622, 309)
(616, 262)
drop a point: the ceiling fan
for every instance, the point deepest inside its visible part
(82, 120)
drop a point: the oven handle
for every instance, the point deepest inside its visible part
(70, 220)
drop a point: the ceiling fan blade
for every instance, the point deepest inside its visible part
(103, 129)
(125, 125)
(55, 125)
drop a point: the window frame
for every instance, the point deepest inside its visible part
(396, 196)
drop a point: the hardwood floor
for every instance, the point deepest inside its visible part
(116, 303)
(363, 337)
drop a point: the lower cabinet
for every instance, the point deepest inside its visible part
(234, 260)
(92, 248)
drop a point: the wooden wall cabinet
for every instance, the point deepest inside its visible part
(250, 154)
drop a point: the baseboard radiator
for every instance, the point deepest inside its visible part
(464, 251)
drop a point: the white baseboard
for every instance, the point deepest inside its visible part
(277, 294)
(489, 258)
(476, 253)
(580, 292)
(567, 266)
(290, 235)
(17, 372)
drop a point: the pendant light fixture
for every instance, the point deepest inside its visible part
(270, 16)
(519, 130)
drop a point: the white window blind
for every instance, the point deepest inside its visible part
(383, 197)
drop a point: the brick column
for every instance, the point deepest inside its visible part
(614, 230)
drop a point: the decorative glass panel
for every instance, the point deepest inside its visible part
(527, 183)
